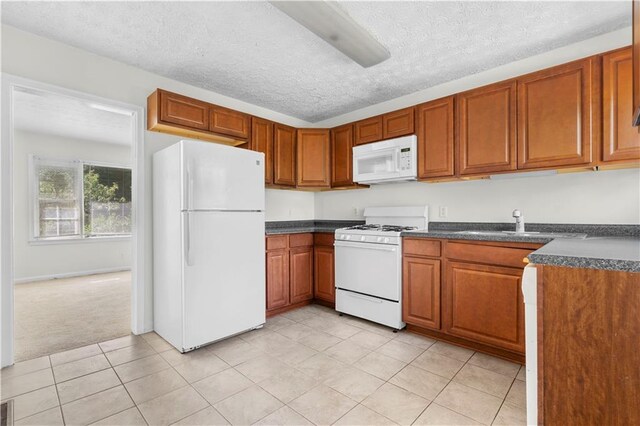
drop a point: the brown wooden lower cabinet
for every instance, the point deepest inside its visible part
(324, 288)
(421, 289)
(301, 273)
(277, 279)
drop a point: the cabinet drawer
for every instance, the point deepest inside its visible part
(323, 239)
(300, 240)
(492, 255)
(276, 242)
(421, 247)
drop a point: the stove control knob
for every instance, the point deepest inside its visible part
(342, 237)
(348, 237)
(379, 239)
(386, 240)
(363, 238)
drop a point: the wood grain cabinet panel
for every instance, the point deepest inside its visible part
(313, 158)
(398, 123)
(229, 122)
(323, 273)
(277, 263)
(484, 303)
(368, 130)
(621, 141)
(487, 129)
(301, 274)
(342, 156)
(262, 141)
(558, 115)
(435, 123)
(284, 155)
(184, 111)
(421, 292)
(636, 62)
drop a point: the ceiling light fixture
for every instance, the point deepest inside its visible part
(332, 24)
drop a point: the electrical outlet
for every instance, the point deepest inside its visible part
(355, 211)
(443, 211)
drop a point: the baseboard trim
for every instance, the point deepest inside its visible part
(70, 274)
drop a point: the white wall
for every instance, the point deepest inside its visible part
(41, 261)
(289, 205)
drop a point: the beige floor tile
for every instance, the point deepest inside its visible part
(75, 354)
(495, 364)
(288, 384)
(484, 380)
(369, 339)
(154, 385)
(347, 351)
(438, 364)
(140, 349)
(380, 329)
(419, 381)
(248, 406)
(173, 406)
(129, 417)
(97, 406)
(34, 402)
(141, 367)
(415, 339)
(399, 350)
(25, 383)
(517, 395)
(207, 417)
(235, 352)
(321, 367)
(354, 383)
(511, 416)
(437, 415)
(222, 385)
(469, 402)
(381, 366)
(322, 405)
(81, 367)
(363, 416)
(284, 416)
(174, 357)
(51, 417)
(295, 331)
(299, 315)
(294, 354)
(24, 367)
(198, 368)
(319, 341)
(341, 330)
(522, 374)
(159, 345)
(395, 403)
(271, 342)
(87, 385)
(120, 342)
(261, 368)
(318, 322)
(152, 335)
(451, 351)
(277, 322)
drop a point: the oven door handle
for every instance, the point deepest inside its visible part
(367, 246)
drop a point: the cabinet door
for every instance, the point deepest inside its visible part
(369, 130)
(484, 303)
(435, 138)
(421, 292)
(323, 274)
(398, 123)
(277, 279)
(313, 158)
(301, 274)
(229, 122)
(342, 156)
(557, 115)
(178, 109)
(636, 62)
(621, 141)
(262, 141)
(487, 129)
(284, 155)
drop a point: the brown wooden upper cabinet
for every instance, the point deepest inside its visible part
(398, 123)
(557, 115)
(184, 111)
(262, 141)
(621, 141)
(487, 129)
(229, 122)
(435, 123)
(342, 156)
(313, 165)
(284, 155)
(636, 62)
(368, 130)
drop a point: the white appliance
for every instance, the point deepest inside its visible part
(393, 160)
(529, 291)
(208, 248)
(368, 263)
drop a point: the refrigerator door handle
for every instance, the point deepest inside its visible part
(189, 191)
(187, 238)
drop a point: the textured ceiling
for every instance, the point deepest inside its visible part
(253, 52)
(51, 114)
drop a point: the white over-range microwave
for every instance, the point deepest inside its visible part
(393, 160)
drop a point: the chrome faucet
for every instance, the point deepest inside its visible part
(519, 221)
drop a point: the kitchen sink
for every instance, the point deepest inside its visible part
(525, 234)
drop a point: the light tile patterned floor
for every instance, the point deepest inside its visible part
(308, 366)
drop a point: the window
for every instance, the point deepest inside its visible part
(75, 199)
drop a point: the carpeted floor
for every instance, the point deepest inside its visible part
(56, 315)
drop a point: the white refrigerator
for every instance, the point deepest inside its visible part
(208, 242)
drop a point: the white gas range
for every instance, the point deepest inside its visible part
(368, 263)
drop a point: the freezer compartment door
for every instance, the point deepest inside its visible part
(219, 177)
(224, 275)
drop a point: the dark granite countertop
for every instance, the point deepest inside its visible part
(303, 226)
